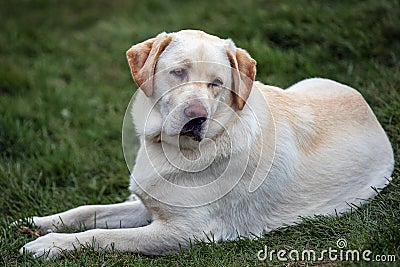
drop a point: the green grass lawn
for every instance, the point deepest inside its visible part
(65, 85)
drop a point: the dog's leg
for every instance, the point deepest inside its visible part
(154, 239)
(128, 214)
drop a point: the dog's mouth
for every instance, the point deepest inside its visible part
(193, 128)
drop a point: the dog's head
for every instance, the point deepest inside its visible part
(195, 81)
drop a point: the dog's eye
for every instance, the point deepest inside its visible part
(216, 83)
(180, 72)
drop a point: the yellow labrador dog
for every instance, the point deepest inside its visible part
(223, 156)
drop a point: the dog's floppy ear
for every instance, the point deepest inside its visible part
(244, 72)
(142, 59)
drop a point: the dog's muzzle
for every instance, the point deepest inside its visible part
(197, 115)
(193, 128)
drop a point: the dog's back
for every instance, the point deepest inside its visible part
(339, 147)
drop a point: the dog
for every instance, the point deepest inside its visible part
(223, 156)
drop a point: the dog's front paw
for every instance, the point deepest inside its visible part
(51, 245)
(46, 224)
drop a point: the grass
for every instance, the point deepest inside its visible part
(65, 85)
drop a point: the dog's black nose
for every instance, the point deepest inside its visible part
(193, 128)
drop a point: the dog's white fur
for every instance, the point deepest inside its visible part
(313, 148)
